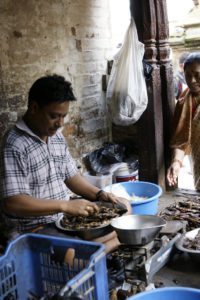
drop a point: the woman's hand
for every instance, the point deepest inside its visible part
(172, 173)
(176, 164)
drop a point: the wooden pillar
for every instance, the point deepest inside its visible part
(151, 21)
(166, 74)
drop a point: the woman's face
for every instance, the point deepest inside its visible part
(192, 77)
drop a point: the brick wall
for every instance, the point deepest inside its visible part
(70, 38)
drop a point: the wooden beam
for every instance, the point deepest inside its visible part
(154, 125)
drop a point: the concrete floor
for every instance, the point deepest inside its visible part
(178, 194)
(181, 270)
(185, 186)
(185, 178)
(170, 197)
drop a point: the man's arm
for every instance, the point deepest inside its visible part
(79, 185)
(25, 205)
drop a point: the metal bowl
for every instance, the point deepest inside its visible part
(194, 254)
(137, 229)
(95, 232)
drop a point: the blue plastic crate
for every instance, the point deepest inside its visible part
(30, 264)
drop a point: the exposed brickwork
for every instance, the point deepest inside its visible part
(70, 38)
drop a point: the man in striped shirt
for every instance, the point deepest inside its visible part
(37, 170)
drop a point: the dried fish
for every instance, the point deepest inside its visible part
(187, 210)
(103, 217)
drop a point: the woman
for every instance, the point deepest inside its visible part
(186, 128)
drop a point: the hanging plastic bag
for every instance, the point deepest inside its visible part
(126, 91)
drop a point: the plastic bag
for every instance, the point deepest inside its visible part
(126, 91)
(100, 160)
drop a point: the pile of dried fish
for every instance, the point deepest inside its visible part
(188, 210)
(102, 217)
(192, 244)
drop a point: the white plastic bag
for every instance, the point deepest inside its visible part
(126, 91)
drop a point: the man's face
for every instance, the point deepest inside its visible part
(49, 118)
(192, 77)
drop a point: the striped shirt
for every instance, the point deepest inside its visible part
(30, 166)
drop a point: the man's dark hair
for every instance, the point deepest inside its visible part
(194, 57)
(183, 57)
(51, 88)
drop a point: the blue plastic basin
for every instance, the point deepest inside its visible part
(143, 189)
(174, 293)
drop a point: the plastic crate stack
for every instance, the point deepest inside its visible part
(32, 266)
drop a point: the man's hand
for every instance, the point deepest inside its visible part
(79, 207)
(80, 186)
(109, 197)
